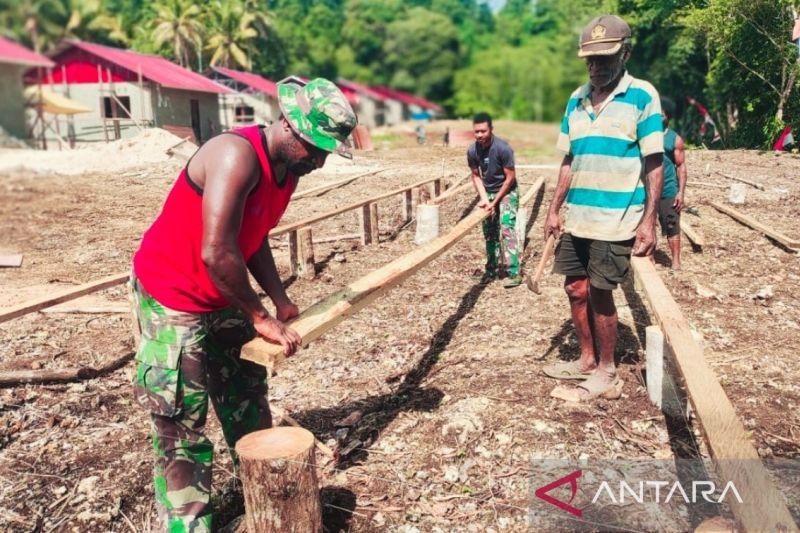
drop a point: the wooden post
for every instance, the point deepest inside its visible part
(373, 223)
(307, 269)
(366, 225)
(279, 478)
(408, 206)
(112, 96)
(438, 187)
(102, 102)
(293, 253)
(415, 193)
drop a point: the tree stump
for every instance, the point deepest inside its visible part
(279, 478)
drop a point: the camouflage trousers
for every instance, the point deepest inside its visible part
(500, 233)
(183, 359)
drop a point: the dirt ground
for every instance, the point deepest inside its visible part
(442, 376)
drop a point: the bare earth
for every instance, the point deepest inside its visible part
(445, 373)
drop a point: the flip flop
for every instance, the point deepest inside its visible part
(565, 370)
(595, 388)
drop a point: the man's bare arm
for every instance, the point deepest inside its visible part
(553, 223)
(645, 242)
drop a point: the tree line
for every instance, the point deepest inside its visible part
(519, 62)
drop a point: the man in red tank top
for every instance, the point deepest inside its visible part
(195, 306)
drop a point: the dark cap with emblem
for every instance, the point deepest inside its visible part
(604, 36)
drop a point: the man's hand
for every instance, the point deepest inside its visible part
(645, 242)
(276, 332)
(490, 208)
(678, 204)
(552, 225)
(286, 311)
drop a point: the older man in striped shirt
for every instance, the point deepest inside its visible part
(611, 179)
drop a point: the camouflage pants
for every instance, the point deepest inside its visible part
(182, 360)
(501, 234)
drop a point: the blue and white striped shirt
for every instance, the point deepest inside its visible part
(606, 197)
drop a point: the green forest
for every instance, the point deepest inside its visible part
(516, 62)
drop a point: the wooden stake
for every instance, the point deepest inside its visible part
(293, 266)
(373, 223)
(408, 206)
(10, 260)
(61, 375)
(758, 226)
(329, 312)
(706, 184)
(63, 295)
(307, 269)
(751, 183)
(763, 508)
(366, 225)
(654, 345)
(279, 478)
(438, 187)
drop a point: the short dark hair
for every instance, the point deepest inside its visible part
(482, 117)
(668, 106)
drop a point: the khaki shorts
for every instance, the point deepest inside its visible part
(605, 263)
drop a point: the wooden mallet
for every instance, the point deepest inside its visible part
(533, 282)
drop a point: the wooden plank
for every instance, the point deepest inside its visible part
(734, 178)
(329, 312)
(692, 234)
(763, 507)
(706, 184)
(286, 228)
(756, 225)
(10, 260)
(63, 295)
(336, 184)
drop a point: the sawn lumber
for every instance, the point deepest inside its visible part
(763, 508)
(327, 313)
(63, 295)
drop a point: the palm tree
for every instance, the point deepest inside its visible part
(88, 20)
(178, 22)
(234, 28)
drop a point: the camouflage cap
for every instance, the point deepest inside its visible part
(318, 112)
(603, 36)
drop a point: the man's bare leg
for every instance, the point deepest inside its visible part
(675, 248)
(577, 289)
(605, 327)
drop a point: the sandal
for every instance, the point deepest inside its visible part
(566, 370)
(594, 387)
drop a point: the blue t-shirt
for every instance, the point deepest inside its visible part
(491, 161)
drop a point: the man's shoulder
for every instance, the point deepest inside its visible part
(502, 144)
(472, 149)
(644, 85)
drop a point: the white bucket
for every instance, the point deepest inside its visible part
(737, 193)
(427, 223)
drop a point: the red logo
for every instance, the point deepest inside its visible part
(572, 479)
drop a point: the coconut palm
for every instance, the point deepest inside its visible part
(178, 22)
(235, 26)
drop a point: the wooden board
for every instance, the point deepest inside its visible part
(734, 178)
(756, 225)
(294, 226)
(327, 187)
(450, 193)
(692, 234)
(63, 295)
(327, 313)
(763, 507)
(10, 260)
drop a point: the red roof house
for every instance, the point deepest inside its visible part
(128, 90)
(15, 59)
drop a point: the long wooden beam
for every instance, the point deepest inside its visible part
(450, 193)
(756, 225)
(692, 234)
(328, 186)
(734, 178)
(763, 507)
(63, 295)
(294, 226)
(327, 313)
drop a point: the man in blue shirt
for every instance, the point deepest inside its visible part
(675, 175)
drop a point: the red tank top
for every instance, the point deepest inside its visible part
(169, 264)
